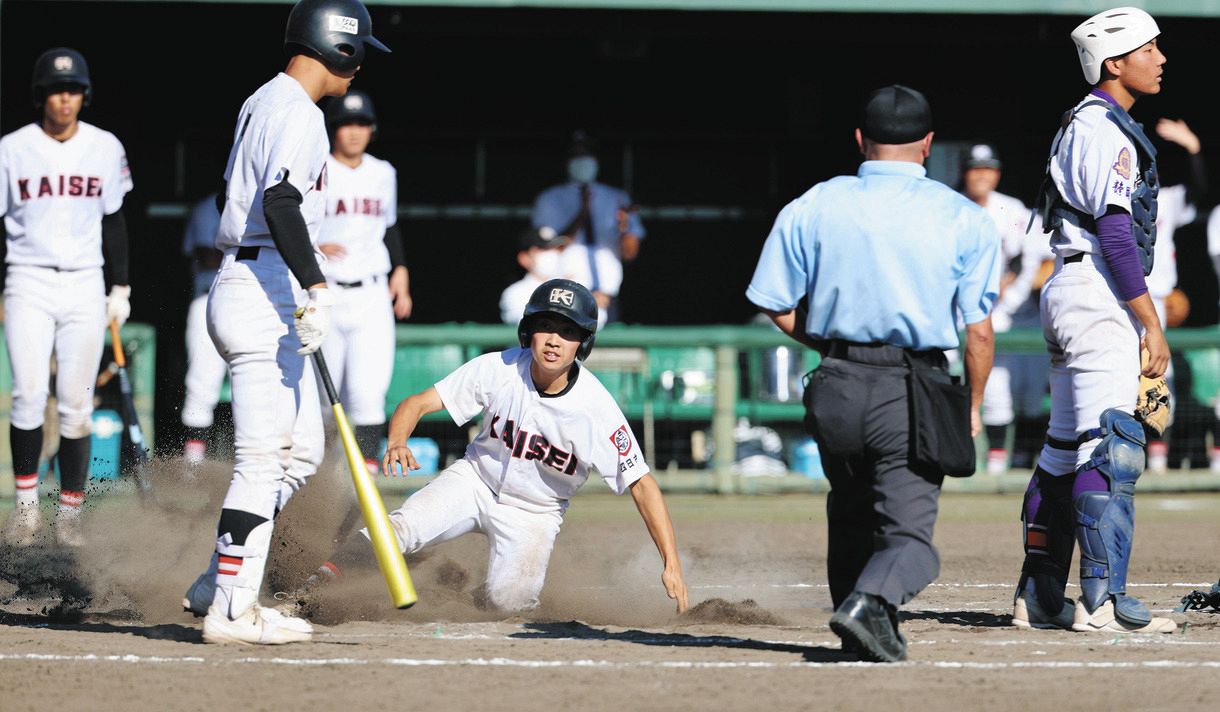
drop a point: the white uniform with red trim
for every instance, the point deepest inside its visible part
(361, 204)
(531, 455)
(53, 195)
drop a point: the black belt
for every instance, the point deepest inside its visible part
(1078, 257)
(351, 285)
(248, 253)
(883, 354)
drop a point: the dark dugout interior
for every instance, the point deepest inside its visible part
(712, 120)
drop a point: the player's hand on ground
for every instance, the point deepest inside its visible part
(332, 250)
(398, 459)
(400, 293)
(675, 587)
(313, 319)
(118, 304)
(1176, 131)
(1157, 360)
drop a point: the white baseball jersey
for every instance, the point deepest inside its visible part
(535, 450)
(280, 135)
(1011, 218)
(361, 203)
(1173, 211)
(56, 193)
(1095, 167)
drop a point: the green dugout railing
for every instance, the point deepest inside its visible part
(643, 367)
(140, 343)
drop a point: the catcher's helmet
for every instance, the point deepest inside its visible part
(567, 299)
(1112, 33)
(59, 66)
(353, 106)
(332, 31)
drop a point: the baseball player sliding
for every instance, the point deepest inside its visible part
(62, 198)
(269, 285)
(362, 244)
(1098, 201)
(547, 424)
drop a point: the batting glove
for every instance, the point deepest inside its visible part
(313, 320)
(118, 304)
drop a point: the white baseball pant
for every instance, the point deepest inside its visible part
(458, 502)
(277, 420)
(359, 350)
(62, 311)
(1094, 342)
(206, 370)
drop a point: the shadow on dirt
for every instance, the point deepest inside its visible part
(969, 619)
(181, 633)
(575, 630)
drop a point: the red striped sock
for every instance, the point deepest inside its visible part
(70, 499)
(27, 488)
(228, 565)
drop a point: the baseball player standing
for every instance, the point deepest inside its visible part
(362, 244)
(1012, 374)
(270, 285)
(206, 370)
(63, 186)
(1098, 201)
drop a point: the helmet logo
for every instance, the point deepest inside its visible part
(63, 63)
(339, 23)
(353, 102)
(562, 296)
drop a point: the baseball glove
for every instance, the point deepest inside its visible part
(1152, 404)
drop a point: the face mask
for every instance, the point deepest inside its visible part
(546, 264)
(583, 169)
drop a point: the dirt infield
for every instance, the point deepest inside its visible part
(102, 628)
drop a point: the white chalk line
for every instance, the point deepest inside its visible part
(599, 664)
(1010, 584)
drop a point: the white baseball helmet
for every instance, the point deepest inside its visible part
(1110, 34)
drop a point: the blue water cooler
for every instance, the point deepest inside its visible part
(427, 454)
(807, 459)
(105, 443)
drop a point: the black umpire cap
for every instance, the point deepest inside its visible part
(896, 115)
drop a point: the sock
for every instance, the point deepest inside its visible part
(26, 446)
(195, 443)
(70, 503)
(996, 435)
(27, 489)
(73, 464)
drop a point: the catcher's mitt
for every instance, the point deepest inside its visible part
(1152, 405)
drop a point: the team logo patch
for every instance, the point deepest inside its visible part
(622, 440)
(353, 102)
(562, 296)
(339, 23)
(1122, 166)
(63, 63)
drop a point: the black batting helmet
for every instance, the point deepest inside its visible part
(353, 106)
(332, 31)
(59, 66)
(567, 299)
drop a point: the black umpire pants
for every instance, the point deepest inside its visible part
(881, 512)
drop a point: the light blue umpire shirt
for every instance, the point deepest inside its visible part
(885, 256)
(556, 206)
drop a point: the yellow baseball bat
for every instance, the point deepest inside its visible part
(381, 534)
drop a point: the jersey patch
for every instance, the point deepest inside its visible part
(1122, 166)
(622, 440)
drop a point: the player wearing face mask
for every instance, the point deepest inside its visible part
(544, 255)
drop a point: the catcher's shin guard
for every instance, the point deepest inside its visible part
(1105, 519)
(1047, 517)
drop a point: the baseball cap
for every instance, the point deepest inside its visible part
(544, 237)
(896, 115)
(980, 155)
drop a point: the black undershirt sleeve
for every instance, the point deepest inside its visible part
(393, 244)
(115, 252)
(1196, 185)
(282, 208)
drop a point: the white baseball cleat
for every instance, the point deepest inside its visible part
(23, 525)
(257, 626)
(1028, 613)
(1103, 620)
(68, 531)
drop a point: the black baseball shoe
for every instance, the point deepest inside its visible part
(868, 627)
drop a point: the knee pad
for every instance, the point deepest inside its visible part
(1105, 520)
(1049, 536)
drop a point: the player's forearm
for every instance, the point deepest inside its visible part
(115, 250)
(409, 412)
(1145, 311)
(980, 354)
(790, 323)
(651, 505)
(282, 209)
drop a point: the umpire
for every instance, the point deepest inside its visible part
(884, 260)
